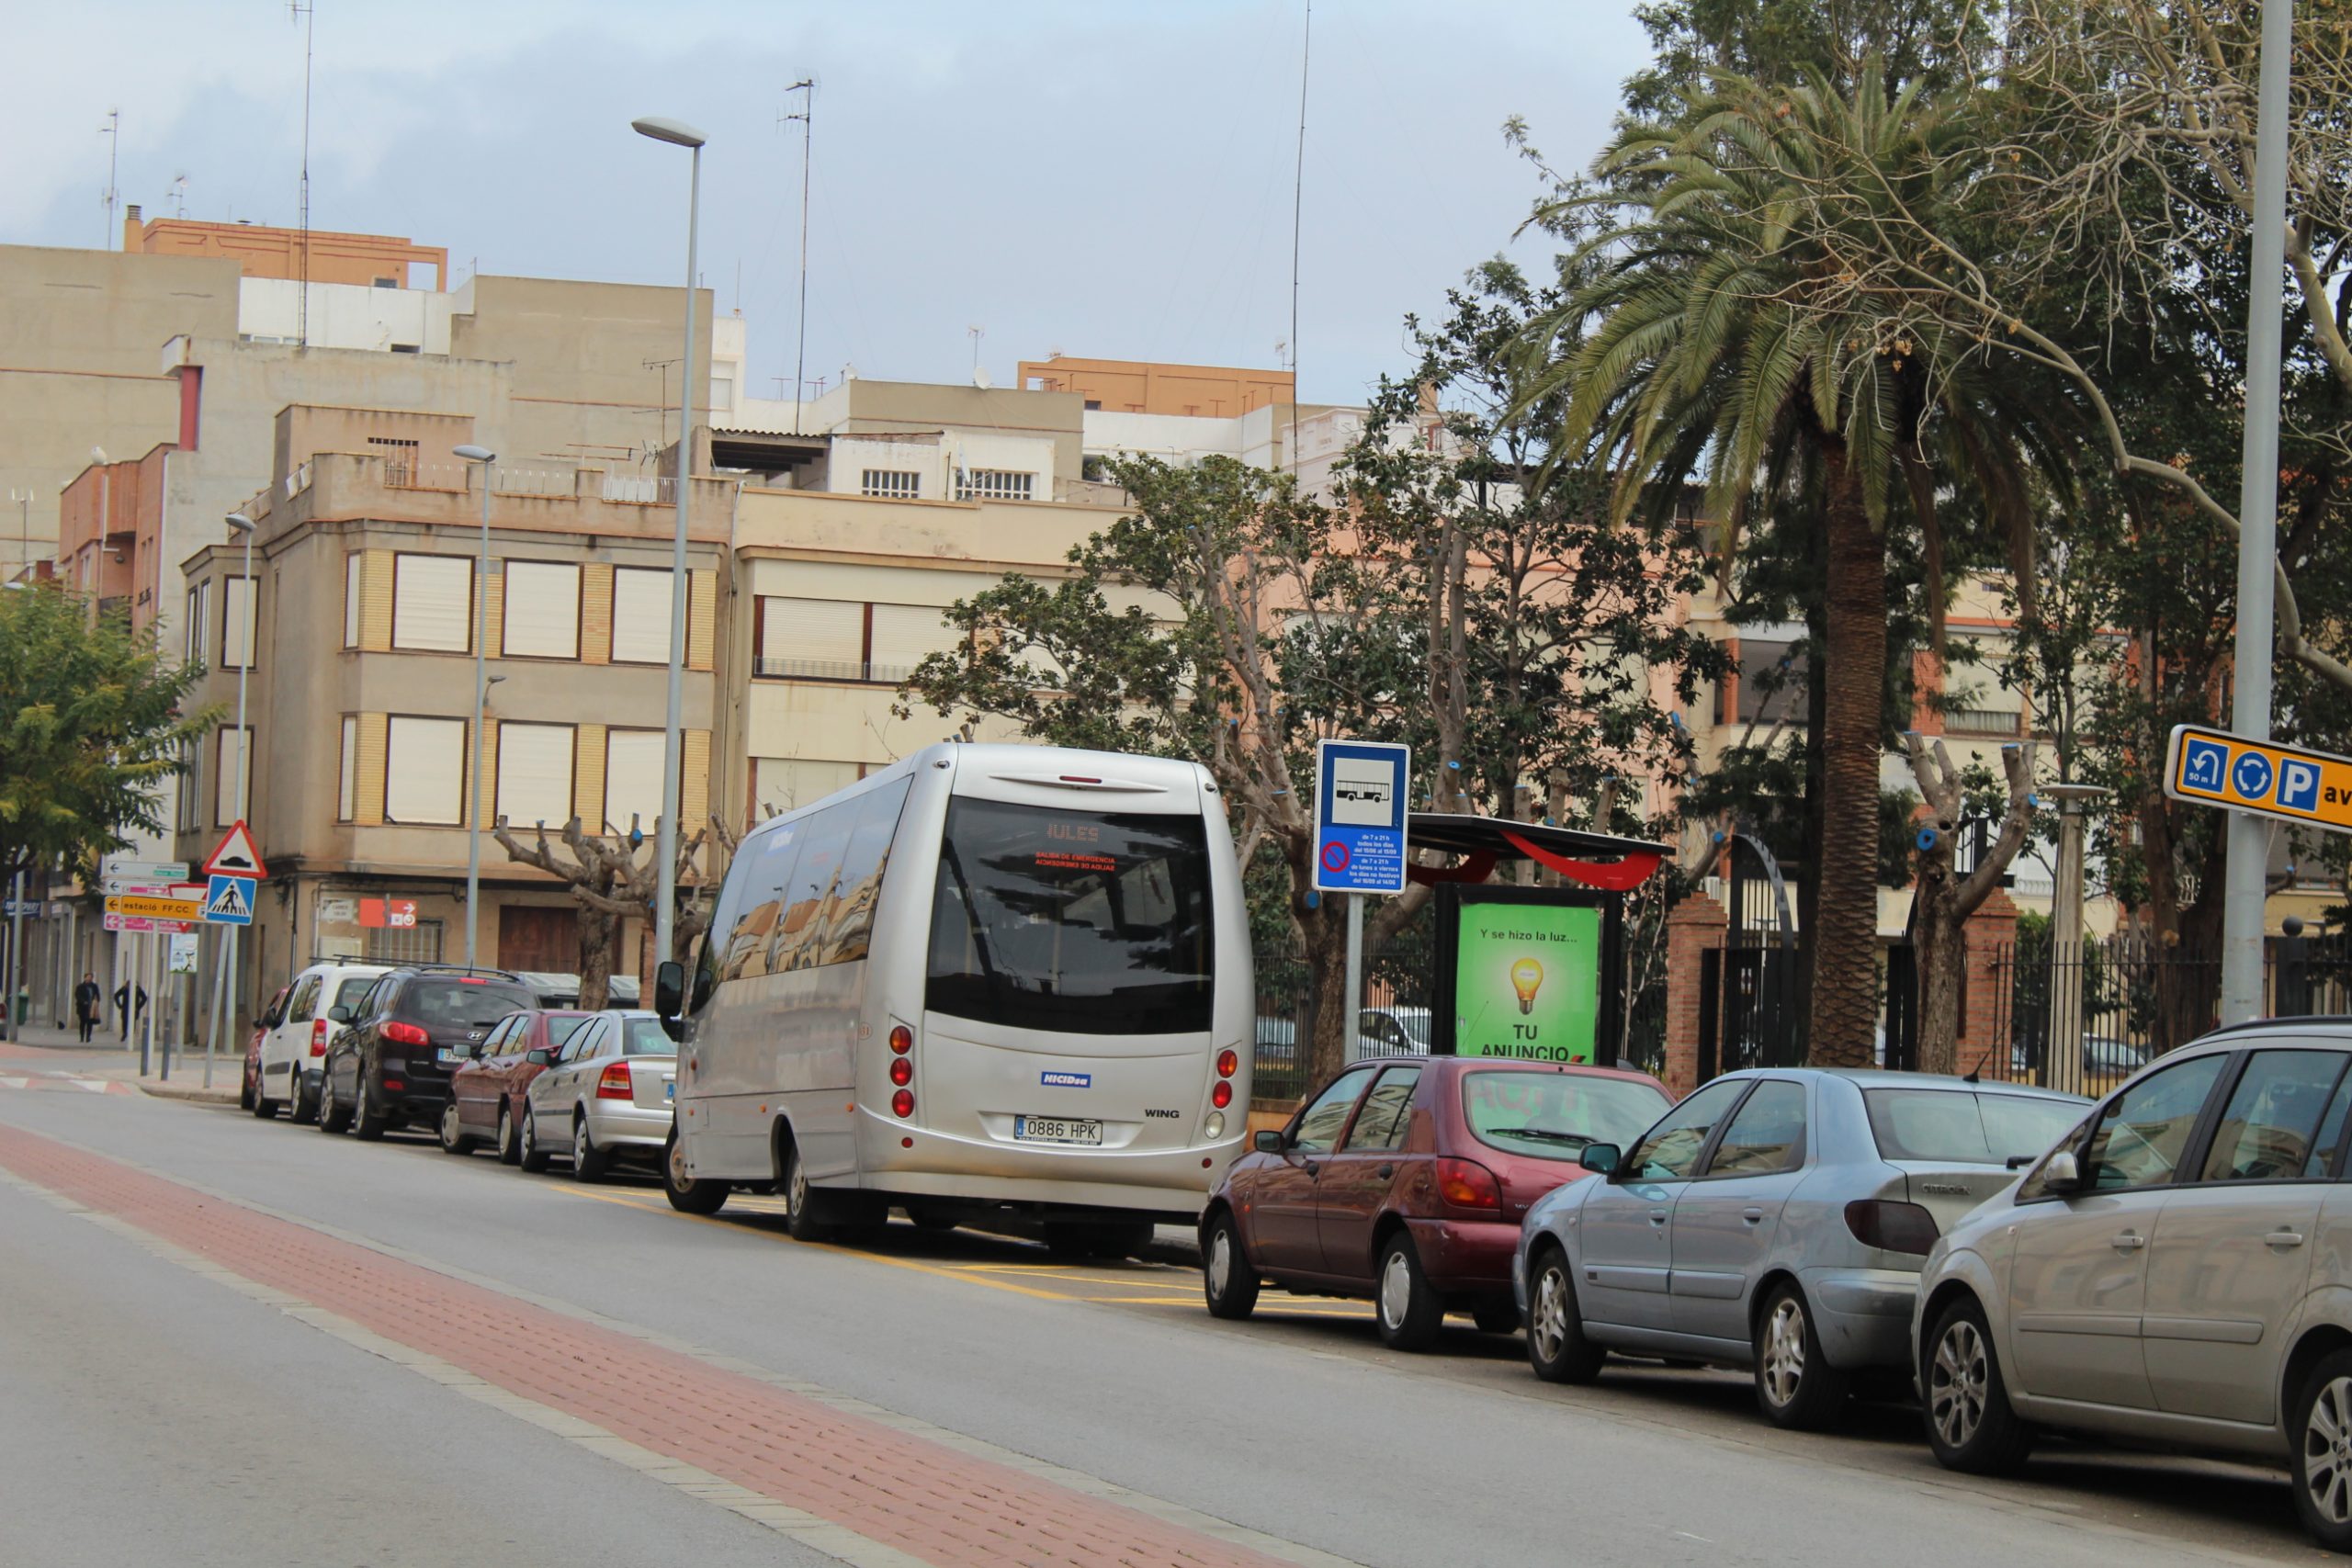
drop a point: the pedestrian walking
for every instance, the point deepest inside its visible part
(86, 1004)
(122, 1007)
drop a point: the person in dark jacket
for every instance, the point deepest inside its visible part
(122, 1007)
(86, 1004)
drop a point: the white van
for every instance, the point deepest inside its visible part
(292, 1050)
(991, 980)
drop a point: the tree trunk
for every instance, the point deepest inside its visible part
(1326, 935)
(1853, 672)
(1939, 947)
(598, 930)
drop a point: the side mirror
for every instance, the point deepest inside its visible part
(669, 989)
(338, 1014)
(2062, 1172)
(1601, 1159)
(538, 1058)
(1267, 1142)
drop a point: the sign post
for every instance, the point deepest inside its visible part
(1361, 795)
(232, 873)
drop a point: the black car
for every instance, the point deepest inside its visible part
(390, 1068)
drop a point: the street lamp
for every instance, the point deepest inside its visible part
(485, 456)
(665, 897)
(241, 526)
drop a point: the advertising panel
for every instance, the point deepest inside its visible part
(1529, 973)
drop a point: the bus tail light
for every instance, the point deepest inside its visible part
(902, 1040)
(1466, 1184)
(613, 1083)
(1228, 1062)
(317, 1037)
(903, 1072)
(1222, 1095)
(903, 1104)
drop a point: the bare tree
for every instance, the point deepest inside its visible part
(1945, 899)
(610, 882)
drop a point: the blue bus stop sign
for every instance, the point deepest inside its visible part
(1360, 797)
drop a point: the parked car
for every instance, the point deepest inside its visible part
(489, 1078)
(1405, 1182)
(295, 1034)
(607, 1094)
(1394, 1031)
(249, 1090)
(1775, 1220)
(392, 1068)
(556, 989)
(2177, 1272)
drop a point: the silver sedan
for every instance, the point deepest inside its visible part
(1774, 1220)
(605, 1096)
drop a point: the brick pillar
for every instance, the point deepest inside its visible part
(1694, 925)
(1991, 928)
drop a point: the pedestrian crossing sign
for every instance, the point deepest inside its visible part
(229, 900)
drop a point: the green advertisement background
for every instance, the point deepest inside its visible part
(1566, 1017)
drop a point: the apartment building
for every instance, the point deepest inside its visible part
(357, 640)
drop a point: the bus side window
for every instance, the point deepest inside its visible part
(792, 945)
(850, 932)
(751, 900)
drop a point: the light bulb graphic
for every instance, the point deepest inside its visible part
(1526, 975)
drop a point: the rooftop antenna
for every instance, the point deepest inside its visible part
(298, 10)
(179, 196)
(977, 332)
(112, 131)
(1297, 191)
(807, 115)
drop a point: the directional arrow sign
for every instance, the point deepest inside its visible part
(156, 909)
(2213, 767)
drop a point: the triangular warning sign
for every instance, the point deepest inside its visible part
(229, 899)
(235, 856)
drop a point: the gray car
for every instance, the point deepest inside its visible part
(605, 1096)
(2177, 1272)
(1774, 1220)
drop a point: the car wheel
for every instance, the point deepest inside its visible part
(1557, 1346)
(1409, 1311)
(801, 1219)
(1496, 1317)
(302, 1101)
(534, 1157)
(687, 1194)
(1970, 1425)
(1796, 1384)
(261, 1105)
(452, 1132)
(589, 1163)
(509, 1150)
(366, 1124)
(2323, 1463)
(1226, 1279)
(333, 1118)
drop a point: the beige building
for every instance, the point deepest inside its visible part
(360, 651)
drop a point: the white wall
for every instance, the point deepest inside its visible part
(344, 315)
(1174, 436)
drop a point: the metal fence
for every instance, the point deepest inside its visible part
(1395, 1022)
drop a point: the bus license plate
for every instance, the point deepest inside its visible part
(1056, 1130)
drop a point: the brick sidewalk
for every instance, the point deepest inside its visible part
(915, 1495)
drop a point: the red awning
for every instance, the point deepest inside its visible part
(1597, 860)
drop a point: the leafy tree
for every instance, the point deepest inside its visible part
(1721, 343)
(1937, 43)
(91, 730)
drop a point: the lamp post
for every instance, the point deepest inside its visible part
(666, 834)
(2068, 967)
(223, 983)
(485, 456)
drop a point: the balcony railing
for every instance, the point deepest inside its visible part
(848, 670)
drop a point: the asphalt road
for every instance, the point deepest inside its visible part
(154, 1408)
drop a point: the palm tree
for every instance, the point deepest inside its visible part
(1722, 336)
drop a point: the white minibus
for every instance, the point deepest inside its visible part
(988, 981)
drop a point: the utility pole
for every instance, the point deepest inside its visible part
(112, 131)
(807, 115)
(2246, 880)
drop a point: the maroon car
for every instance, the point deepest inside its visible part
(486, 1091)
(1405, 1181)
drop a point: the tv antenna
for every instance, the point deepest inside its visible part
(306, 14)
(179, 196)
(1297, 207)
(807, 115)
(112, 131)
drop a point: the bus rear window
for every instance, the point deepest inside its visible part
(1082, 922)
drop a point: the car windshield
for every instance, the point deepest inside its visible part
(645, 1037)
(1091, 922)
(460, 1004)
(1554, 1115)
(1966, 1127)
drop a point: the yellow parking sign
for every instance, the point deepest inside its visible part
(2213, 767)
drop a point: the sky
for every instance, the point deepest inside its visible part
(1103, 177)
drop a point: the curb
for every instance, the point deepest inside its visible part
(194, 1093)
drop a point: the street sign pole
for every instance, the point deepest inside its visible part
(2244, 889)
(16, 956)
(1356, 975)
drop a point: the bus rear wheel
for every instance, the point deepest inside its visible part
(687, 1194)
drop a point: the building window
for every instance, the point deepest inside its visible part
(200, 622)
(419, 943)
(891, 484)
(542, 611)
(347, 796)
(1772, 683)
(633, 779)
(237, 623)
(355, 570)
(992, 484)
(815, 639)
(1981, 721)
(226, 808)
(787, 783)
(642, 614)
(191, 784)
(424, 771)
(400, 456)
(432, 604)
(903, 637)
(535, 773)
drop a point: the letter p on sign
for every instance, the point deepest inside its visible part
(2297, 786)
